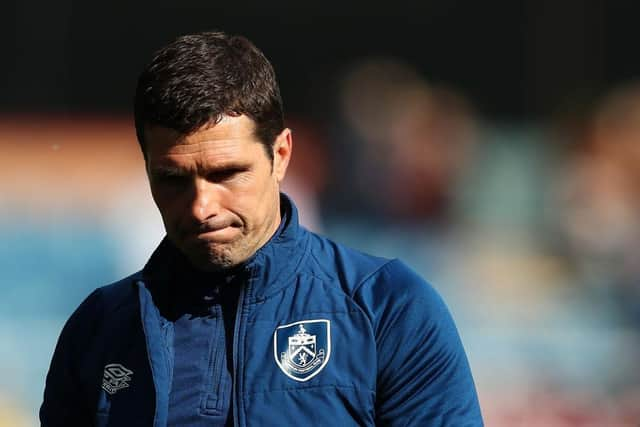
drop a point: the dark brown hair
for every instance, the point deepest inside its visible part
(198, 78)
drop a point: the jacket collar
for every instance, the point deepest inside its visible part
(274, 265)
(267, 271)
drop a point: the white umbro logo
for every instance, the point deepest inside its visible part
(115, 377)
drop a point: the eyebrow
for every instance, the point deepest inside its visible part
(168, 170)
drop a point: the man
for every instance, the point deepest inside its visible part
(242, 317)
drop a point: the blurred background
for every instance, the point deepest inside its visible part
(493, 146)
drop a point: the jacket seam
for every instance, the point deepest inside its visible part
(288, 389)
(309, 313)
(369, 276)
(122, 302)
(357, 288)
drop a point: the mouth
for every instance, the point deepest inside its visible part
(217, 231)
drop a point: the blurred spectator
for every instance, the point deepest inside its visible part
(599, 199)
(413, 141)
(307, 173)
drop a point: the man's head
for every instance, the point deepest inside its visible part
(198, 78)
(209, 121)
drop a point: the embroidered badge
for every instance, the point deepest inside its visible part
(302, 349)
(115, 377)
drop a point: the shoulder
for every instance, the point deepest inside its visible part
(369, 280)
(115, 294)
(397, 281)
(396, 294)
(100, 304)
(336, 262)
(377, 285)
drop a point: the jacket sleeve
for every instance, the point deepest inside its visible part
(66, 400)
(423, 374)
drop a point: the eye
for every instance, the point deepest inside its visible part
(224, 174)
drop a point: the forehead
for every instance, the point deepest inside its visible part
(231, 136)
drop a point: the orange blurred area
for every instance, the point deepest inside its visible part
(11, 415)
(62, 161)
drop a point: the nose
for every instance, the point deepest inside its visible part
(206, 200)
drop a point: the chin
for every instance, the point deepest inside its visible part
(207, 255)
(214, 261)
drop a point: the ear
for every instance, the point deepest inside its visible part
(282, 153)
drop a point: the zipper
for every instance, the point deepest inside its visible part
(214, 372)
(236, 333)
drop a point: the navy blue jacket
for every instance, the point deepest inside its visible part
(324, 335)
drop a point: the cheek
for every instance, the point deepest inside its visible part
(169, 206)
(245, 204)
(254, 204)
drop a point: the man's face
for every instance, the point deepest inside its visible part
(216, 189)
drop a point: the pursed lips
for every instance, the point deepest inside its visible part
(212, 227)
(214, 224)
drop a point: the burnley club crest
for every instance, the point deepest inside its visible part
(302, 348)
